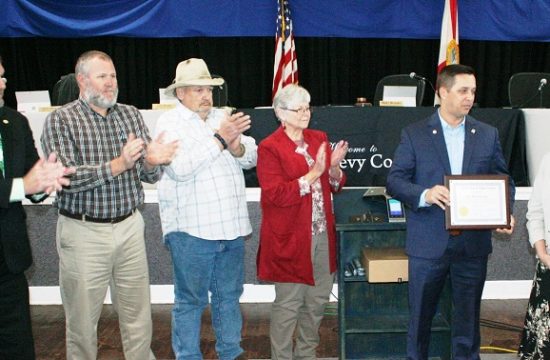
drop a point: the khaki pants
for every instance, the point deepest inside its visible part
(301, 307)
(90, 256)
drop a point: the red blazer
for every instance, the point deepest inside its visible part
(284, 254)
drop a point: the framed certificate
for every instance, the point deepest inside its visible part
(477, 202)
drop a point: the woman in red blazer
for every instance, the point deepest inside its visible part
(297, 172)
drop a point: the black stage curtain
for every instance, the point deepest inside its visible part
(335, 70)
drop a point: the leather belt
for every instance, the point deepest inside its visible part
(455, 232)
(84, 217)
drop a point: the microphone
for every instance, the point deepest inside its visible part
(538, 93)
(542, 84)
(413, 75)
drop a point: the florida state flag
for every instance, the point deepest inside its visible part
(448, 47)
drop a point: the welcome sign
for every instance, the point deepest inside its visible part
(373, 134)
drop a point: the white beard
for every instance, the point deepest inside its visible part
(99, 100)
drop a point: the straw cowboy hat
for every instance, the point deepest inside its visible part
(192, 72)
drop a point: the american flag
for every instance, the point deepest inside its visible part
(285, 69)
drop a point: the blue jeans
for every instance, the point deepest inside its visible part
(201, 266)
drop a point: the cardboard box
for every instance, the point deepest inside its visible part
(385, 264)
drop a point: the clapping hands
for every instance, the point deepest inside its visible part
(47, 176)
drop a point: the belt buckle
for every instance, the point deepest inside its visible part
(455, 232)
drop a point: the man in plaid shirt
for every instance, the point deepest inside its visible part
(100, 232)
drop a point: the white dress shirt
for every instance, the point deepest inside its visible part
(202, 192)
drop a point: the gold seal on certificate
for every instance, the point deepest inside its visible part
(477, 202)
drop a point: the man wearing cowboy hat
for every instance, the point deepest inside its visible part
(203, 211)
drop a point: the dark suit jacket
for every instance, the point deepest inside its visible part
(421, 161)
(19, 157)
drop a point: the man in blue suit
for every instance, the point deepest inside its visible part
(447, 143)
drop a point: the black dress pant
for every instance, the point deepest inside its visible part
(16, 340)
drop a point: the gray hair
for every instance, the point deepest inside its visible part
(291, 95)
(83, 60)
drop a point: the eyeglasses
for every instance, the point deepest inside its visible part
(300, 111)
(4, 80)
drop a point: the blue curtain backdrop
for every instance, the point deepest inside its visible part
(344, 46)
(496, 20)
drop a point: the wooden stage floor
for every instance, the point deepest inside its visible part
(501, 321)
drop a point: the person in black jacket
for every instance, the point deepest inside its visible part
(22, 174)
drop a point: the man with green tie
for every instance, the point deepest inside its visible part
(22, 174)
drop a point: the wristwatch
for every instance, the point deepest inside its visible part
(221, 140)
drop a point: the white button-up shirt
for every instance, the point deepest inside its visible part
(202, 192)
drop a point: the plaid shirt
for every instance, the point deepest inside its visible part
(202, 192)
(88, 141)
